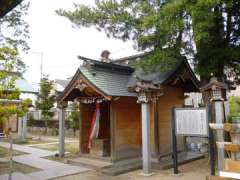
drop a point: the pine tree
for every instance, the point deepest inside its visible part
(205, 31)
(46, 100)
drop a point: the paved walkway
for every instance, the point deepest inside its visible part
(48, 169)
(50, 143)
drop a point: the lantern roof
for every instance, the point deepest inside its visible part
(213, 85)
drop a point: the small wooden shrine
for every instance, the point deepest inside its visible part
(126, 97)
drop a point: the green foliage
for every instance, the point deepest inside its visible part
(74, 116)
(13, 35)
(10, 71)
(45, 99)
(205, 31)
(234, 107)
(30, 121)
(14, 29)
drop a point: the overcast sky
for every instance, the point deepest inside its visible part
(54, 37)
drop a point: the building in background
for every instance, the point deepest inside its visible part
(27, 90)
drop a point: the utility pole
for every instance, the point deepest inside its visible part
(41, 65)
(41, 68)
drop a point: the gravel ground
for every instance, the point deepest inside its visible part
(197, 170)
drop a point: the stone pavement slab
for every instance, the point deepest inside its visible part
(37, 162)
(29, 150)
(18, 176)
(49, 169)
(58, 172)
(89, 162)
(50, 143)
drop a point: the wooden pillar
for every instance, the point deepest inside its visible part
(147, 92)
(145, 98)
(113, 132)
(146, 151)
(61, 115)
(80, 128)
(156, 128)
(61, 118)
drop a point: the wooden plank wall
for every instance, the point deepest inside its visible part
(104, 124)
(127, 114)
(86, 114)
(172, 97)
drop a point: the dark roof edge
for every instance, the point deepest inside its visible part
(111, 65)
(133, 57)
(194, 78)
(10, 7)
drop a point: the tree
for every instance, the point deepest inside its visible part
(46, 100)
(234, 107)
(30, 121)
(13, 35)
(10, 71)
(14, 30)
(74, 117)
(206, 32)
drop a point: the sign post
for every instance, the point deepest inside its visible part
(174, 142)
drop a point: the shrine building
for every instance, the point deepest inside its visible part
(125, 103)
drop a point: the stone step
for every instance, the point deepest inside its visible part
(135, 164)
(95, 157)
(89, 162)
(122, 167)
(183, 158)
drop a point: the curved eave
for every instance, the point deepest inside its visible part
(177, 70)
(63, 96)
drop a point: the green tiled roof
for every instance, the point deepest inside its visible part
(117, 80)
(110, 82)
(155, 78)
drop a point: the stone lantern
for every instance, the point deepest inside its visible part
(214, 95)
(214, 91)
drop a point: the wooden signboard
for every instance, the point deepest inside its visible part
(188, 122)
(191, 121)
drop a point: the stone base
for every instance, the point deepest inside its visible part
(178, 174)
(146, 175)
